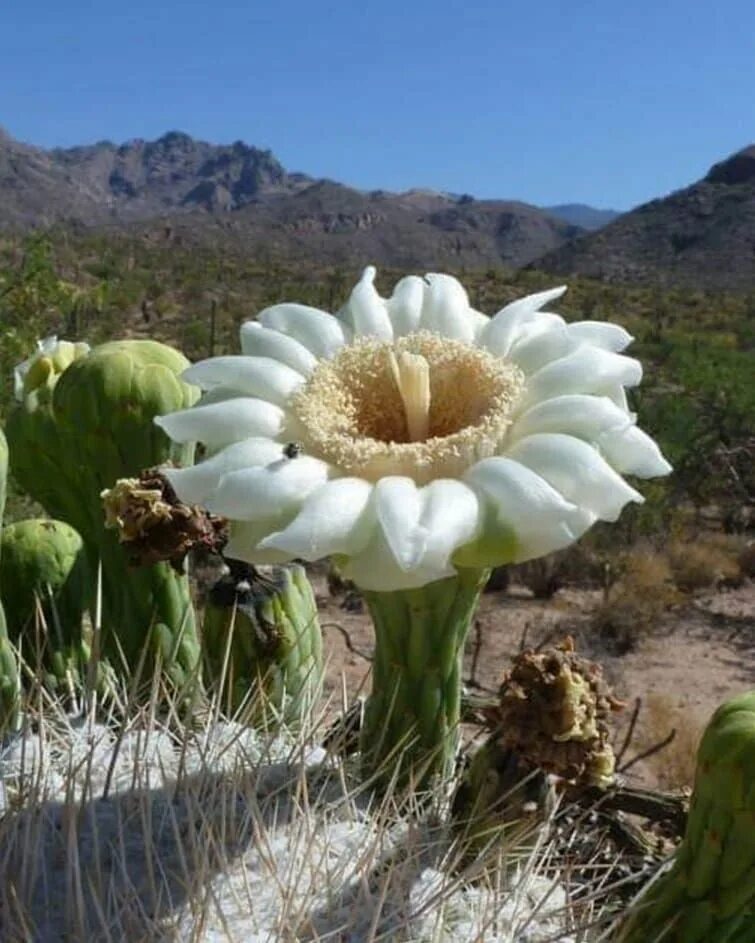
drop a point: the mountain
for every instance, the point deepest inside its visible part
(241, 194)
(579, 214)
(702, 236)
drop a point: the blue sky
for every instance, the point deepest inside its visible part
(597, 101)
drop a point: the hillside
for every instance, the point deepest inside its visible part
(235, 193)
(702, 236)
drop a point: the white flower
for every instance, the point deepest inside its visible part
(48, 361)
(409, 434)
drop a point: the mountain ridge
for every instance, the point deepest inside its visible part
(701, 236)
(241, 192)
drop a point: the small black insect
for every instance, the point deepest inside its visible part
(292, 449)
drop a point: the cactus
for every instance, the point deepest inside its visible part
(75, 434)
(262, 639)
(10, 689)
(708, 895)
(44, 560)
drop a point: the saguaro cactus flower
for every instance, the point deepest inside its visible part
(419, 442)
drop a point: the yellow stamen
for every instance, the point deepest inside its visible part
(412, 375)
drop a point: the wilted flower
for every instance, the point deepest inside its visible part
(411, 435)
(47, 363)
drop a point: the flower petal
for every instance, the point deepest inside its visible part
(405, 305)
(418, 529)
(255, 376)
(577, 471)
(503, 329)
(279, 487)
(260, 341)
(332, 520)
(397, 507)
(365, 311)
(577, 414)
(220, 424)
(529, 516)
(320, 332)
(446, 310)
(245, 538)
(584, 370)
(480, 322)
(450, 516)
(633, 452)
(539, 342)
(194, 485)
(601, 334)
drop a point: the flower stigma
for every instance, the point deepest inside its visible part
(412, 375)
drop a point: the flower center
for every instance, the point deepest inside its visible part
(425, 406)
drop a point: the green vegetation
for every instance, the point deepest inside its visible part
(697, 399)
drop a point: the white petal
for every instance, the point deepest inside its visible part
(503, 329)
(577, 471)
(423, 526)
(397, 507)
(446, 310)
(527, 508)
(480, 322)
(331, 520)
(375, 568)
(601, 334)
(271, 490)
(220, 424)
(318, 331)
(245, 539)
(365, 311)
(194, 485)
(260, 341)
(450, 515)
(540, 342)
(584, 370)
(218, 394)
(255, 376)
(534, 302)
(405, 305)
(418, 529)
(577, 414)
(633, 452)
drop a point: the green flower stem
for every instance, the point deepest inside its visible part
(411, 721)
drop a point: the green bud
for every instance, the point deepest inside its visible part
(263, 644)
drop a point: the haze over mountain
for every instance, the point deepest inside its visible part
(243, 193)
(701, 236)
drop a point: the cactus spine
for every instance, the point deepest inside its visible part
(262, 639)
(10, 689)
(708, 895)
(74, 435)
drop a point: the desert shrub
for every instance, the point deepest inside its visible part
(705, 560)
(635, 604)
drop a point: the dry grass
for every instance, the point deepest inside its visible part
(704, 560)
(673, 768)
(635, 604)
